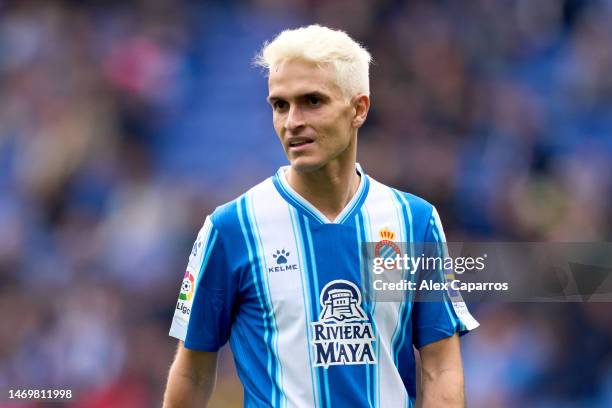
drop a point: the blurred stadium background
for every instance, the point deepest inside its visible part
(122, 124)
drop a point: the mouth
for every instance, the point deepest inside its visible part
(299, 142)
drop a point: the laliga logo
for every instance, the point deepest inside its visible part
(386, 248)
(187, 287)
(343, 335)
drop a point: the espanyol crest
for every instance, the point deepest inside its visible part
(343, 335)
(386, 248)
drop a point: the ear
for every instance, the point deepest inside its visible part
(361, 106)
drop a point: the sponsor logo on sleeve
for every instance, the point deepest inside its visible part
(187, 288)
(196, 251)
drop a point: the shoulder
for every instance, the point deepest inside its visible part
(418, 208)
(229, 217)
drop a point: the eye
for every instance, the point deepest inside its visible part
(279, 105)
(313, 100)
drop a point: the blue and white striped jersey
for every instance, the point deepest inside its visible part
(285, 285)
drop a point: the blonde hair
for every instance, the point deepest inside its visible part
(322, 45)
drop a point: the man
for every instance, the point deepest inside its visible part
(278, 271)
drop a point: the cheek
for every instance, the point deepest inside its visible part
(277, 124)
(340, 128)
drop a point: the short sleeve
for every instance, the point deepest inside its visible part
(438, 313)
(203, 313)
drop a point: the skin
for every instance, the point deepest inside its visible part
(191, 378)
(441, 384)
(309, 106)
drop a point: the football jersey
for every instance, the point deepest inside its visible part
(286, 286)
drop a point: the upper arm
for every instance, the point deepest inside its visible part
(191, 379)
(442, 355)
(441, 375)
(440, 312)
(203, 314)
(199, 366)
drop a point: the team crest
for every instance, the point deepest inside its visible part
(343, 335)
(386, 248)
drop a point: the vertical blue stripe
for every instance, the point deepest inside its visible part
(276, 365)
(313, 288)
(209, 245)
(407, 213)
(306, 300)
(315, 276)
(367, 227)
(398, 331)
(441, 253)
(313, 297)
(399, 337)
(365, 280)
(254, 263)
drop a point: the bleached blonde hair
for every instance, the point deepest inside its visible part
(322, 45)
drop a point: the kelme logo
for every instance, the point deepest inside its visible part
(280, 258)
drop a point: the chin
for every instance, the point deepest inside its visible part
(305, 165)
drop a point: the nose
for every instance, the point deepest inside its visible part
(295, 119)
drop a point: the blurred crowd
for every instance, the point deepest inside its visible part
(122, 124)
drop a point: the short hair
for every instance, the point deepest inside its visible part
(322, 45)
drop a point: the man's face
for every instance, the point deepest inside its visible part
(312, 117)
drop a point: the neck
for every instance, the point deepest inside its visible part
(328, 189)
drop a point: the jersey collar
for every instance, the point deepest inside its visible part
(303, 205)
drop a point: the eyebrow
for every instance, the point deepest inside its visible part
(318, 94)
(272, 99)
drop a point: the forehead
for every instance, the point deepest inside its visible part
(297, 77)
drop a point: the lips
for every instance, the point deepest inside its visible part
(300, 141)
